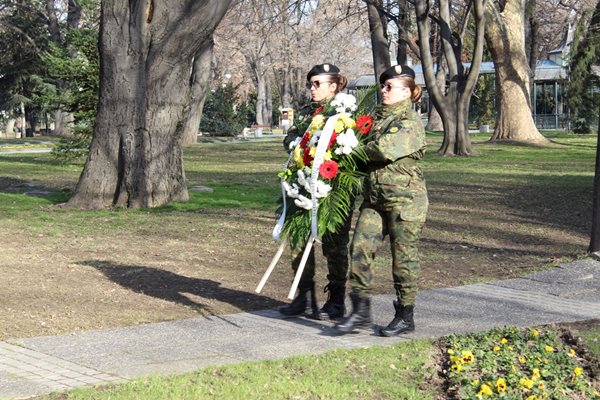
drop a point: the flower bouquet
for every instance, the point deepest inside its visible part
(322, 176)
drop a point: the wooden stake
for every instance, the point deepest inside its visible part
(267, 273)
(301, 267)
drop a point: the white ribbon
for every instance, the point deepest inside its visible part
(279, 226)
(322, 146)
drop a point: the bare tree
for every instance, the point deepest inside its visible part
(454, 105)
(146, 51)
(505, 37)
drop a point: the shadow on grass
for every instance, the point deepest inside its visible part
(169, 286)
(11, 185)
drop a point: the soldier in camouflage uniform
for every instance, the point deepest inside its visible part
(395, 203)
(324, 81)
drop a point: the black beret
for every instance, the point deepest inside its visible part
(323, 69)
(395, 72)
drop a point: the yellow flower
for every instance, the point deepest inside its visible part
(339, 126)
(312, 151)
(578, 371)
(532, 397)
(526, 383)
(503, 341)
(318, 122)
(572, 352)
(541, 385)
(536, 373)
(456, 367)
(349, 123)
(535, 332)
(327, 156)
(298, 156)
(510, 348)
(467, 357)
(485, 390)
(549, 348)
(522, 360)
(455, 359)
(496, 348)
(501, 385)
(475, 382)
(450, 351)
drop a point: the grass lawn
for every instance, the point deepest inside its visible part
(507, 212)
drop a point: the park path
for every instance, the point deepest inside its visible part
(40, 365)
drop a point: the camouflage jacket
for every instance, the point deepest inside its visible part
(395, 181)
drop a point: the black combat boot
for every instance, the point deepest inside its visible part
(334, 308)
(299, 305)
(403, 321)
(360, 316)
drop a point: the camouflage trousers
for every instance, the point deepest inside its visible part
(335, 250)
(371, 228)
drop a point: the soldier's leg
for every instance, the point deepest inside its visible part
(335, 249)
(368, 237)
(404, 239)
(306, 286)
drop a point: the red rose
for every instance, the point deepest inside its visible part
(307, 159)
(332, 140)
(328, 169)
(318, 110)
(364, 124)
(304, 140)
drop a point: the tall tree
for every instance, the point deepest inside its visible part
(453, 106)
(146, 52)
(505, 37)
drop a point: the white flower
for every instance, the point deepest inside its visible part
(303, 180)
(322, 189)
(346, 141)
(295, 143)
(344, 103)
(303, 202)
(314, 139)
(292, 191)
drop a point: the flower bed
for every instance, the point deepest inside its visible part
(511, 363)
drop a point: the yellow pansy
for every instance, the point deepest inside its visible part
(503, 340)
(536, 372)
(450, 351)
(485, 390)
(501, 385)
(578, 371)
(455, 359)
(541, 385)
(526, 383)
(535, 332)
(522, 360)
(467, 357)
(572, 352)
(456, 367)
(532, 397)
(549, 348)
(496, 348)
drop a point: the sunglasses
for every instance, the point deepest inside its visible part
(316, 84)
(387, 87)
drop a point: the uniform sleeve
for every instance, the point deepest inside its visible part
(402, 138)
(292, 134)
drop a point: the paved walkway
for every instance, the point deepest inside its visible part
(33, 366)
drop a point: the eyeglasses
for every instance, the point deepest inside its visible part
(387, 87)
(316, 84)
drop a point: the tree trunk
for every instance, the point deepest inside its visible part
(505, 39)
(146, 51)
(263, 96)
(23, 131)
(63, 123)
(199, 90)
(434, 122)
(595, 236)
(452, 105)
(10, 127)
(379, 39)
